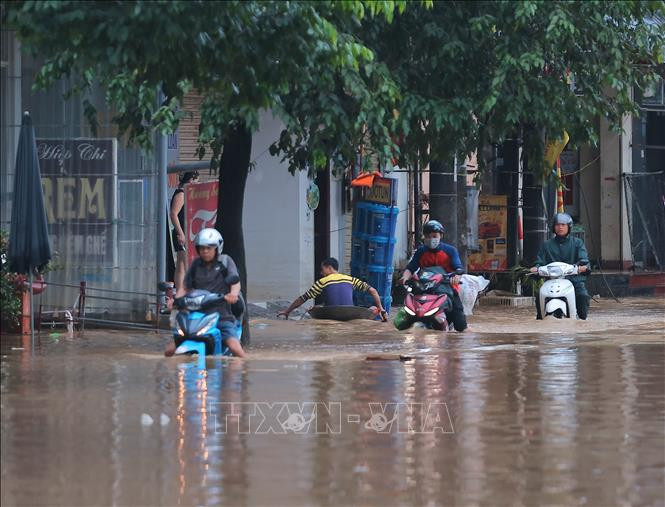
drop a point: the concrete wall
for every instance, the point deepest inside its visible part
(278, 227)
(590, 198)
(338, 224)
(400, 256)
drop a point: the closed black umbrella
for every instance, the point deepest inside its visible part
(29, 247)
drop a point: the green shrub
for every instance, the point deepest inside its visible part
(10, 302)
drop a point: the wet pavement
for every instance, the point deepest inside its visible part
(514, 412)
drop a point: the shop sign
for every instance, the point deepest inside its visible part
(78, 181)
(383, 191)
(492, 233)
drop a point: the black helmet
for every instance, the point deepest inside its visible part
(433, 226)
(562, 218)
(188, 176)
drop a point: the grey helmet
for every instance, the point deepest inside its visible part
(209, 237)
(433, 226)
(562, 218)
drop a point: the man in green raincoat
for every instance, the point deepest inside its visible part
(565, 248)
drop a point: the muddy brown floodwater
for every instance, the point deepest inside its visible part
(514, 412)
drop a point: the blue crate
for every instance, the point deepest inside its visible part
(379, 251)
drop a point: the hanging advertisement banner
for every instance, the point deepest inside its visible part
(79, 185)
(200, 211)
(492, 231)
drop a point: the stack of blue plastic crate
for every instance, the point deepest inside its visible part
(372, 247)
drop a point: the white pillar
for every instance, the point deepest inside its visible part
(615, 159)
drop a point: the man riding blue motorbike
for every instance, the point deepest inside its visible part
(217, 274)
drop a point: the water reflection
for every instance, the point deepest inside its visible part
(560, 419)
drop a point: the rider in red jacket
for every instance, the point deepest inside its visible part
(436, 253)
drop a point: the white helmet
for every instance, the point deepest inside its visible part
(209, 237)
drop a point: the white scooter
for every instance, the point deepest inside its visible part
(557, 295)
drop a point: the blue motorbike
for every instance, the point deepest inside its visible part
(195, 329)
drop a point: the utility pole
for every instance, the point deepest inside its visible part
(162, 190)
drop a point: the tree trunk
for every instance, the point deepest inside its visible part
(509, 152)
(233, 170)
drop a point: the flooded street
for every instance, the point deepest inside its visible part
(514, 412)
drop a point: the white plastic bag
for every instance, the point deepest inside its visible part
(471, 286)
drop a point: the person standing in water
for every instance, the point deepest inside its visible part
(178, 237)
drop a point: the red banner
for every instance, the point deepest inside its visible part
(200, 210)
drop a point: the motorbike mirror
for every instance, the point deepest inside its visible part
(163, 286)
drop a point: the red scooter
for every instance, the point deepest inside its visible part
(429, 297)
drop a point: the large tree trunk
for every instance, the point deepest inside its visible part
(233, 170)
(510, 151)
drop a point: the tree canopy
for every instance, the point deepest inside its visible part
(242, 56)
(471, 73)
(415, 82)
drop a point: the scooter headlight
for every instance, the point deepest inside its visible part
(409, 311)
(431, 312)
(181, 332)
(207, 325)
(204, 329)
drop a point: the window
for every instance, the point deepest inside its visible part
(654, 95)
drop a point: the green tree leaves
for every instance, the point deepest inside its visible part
(368, 80)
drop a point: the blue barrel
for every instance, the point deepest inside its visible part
(358, 249)
(360, 218)
(381, 278)
(380, 220)
(359, 270)
(379, 250)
